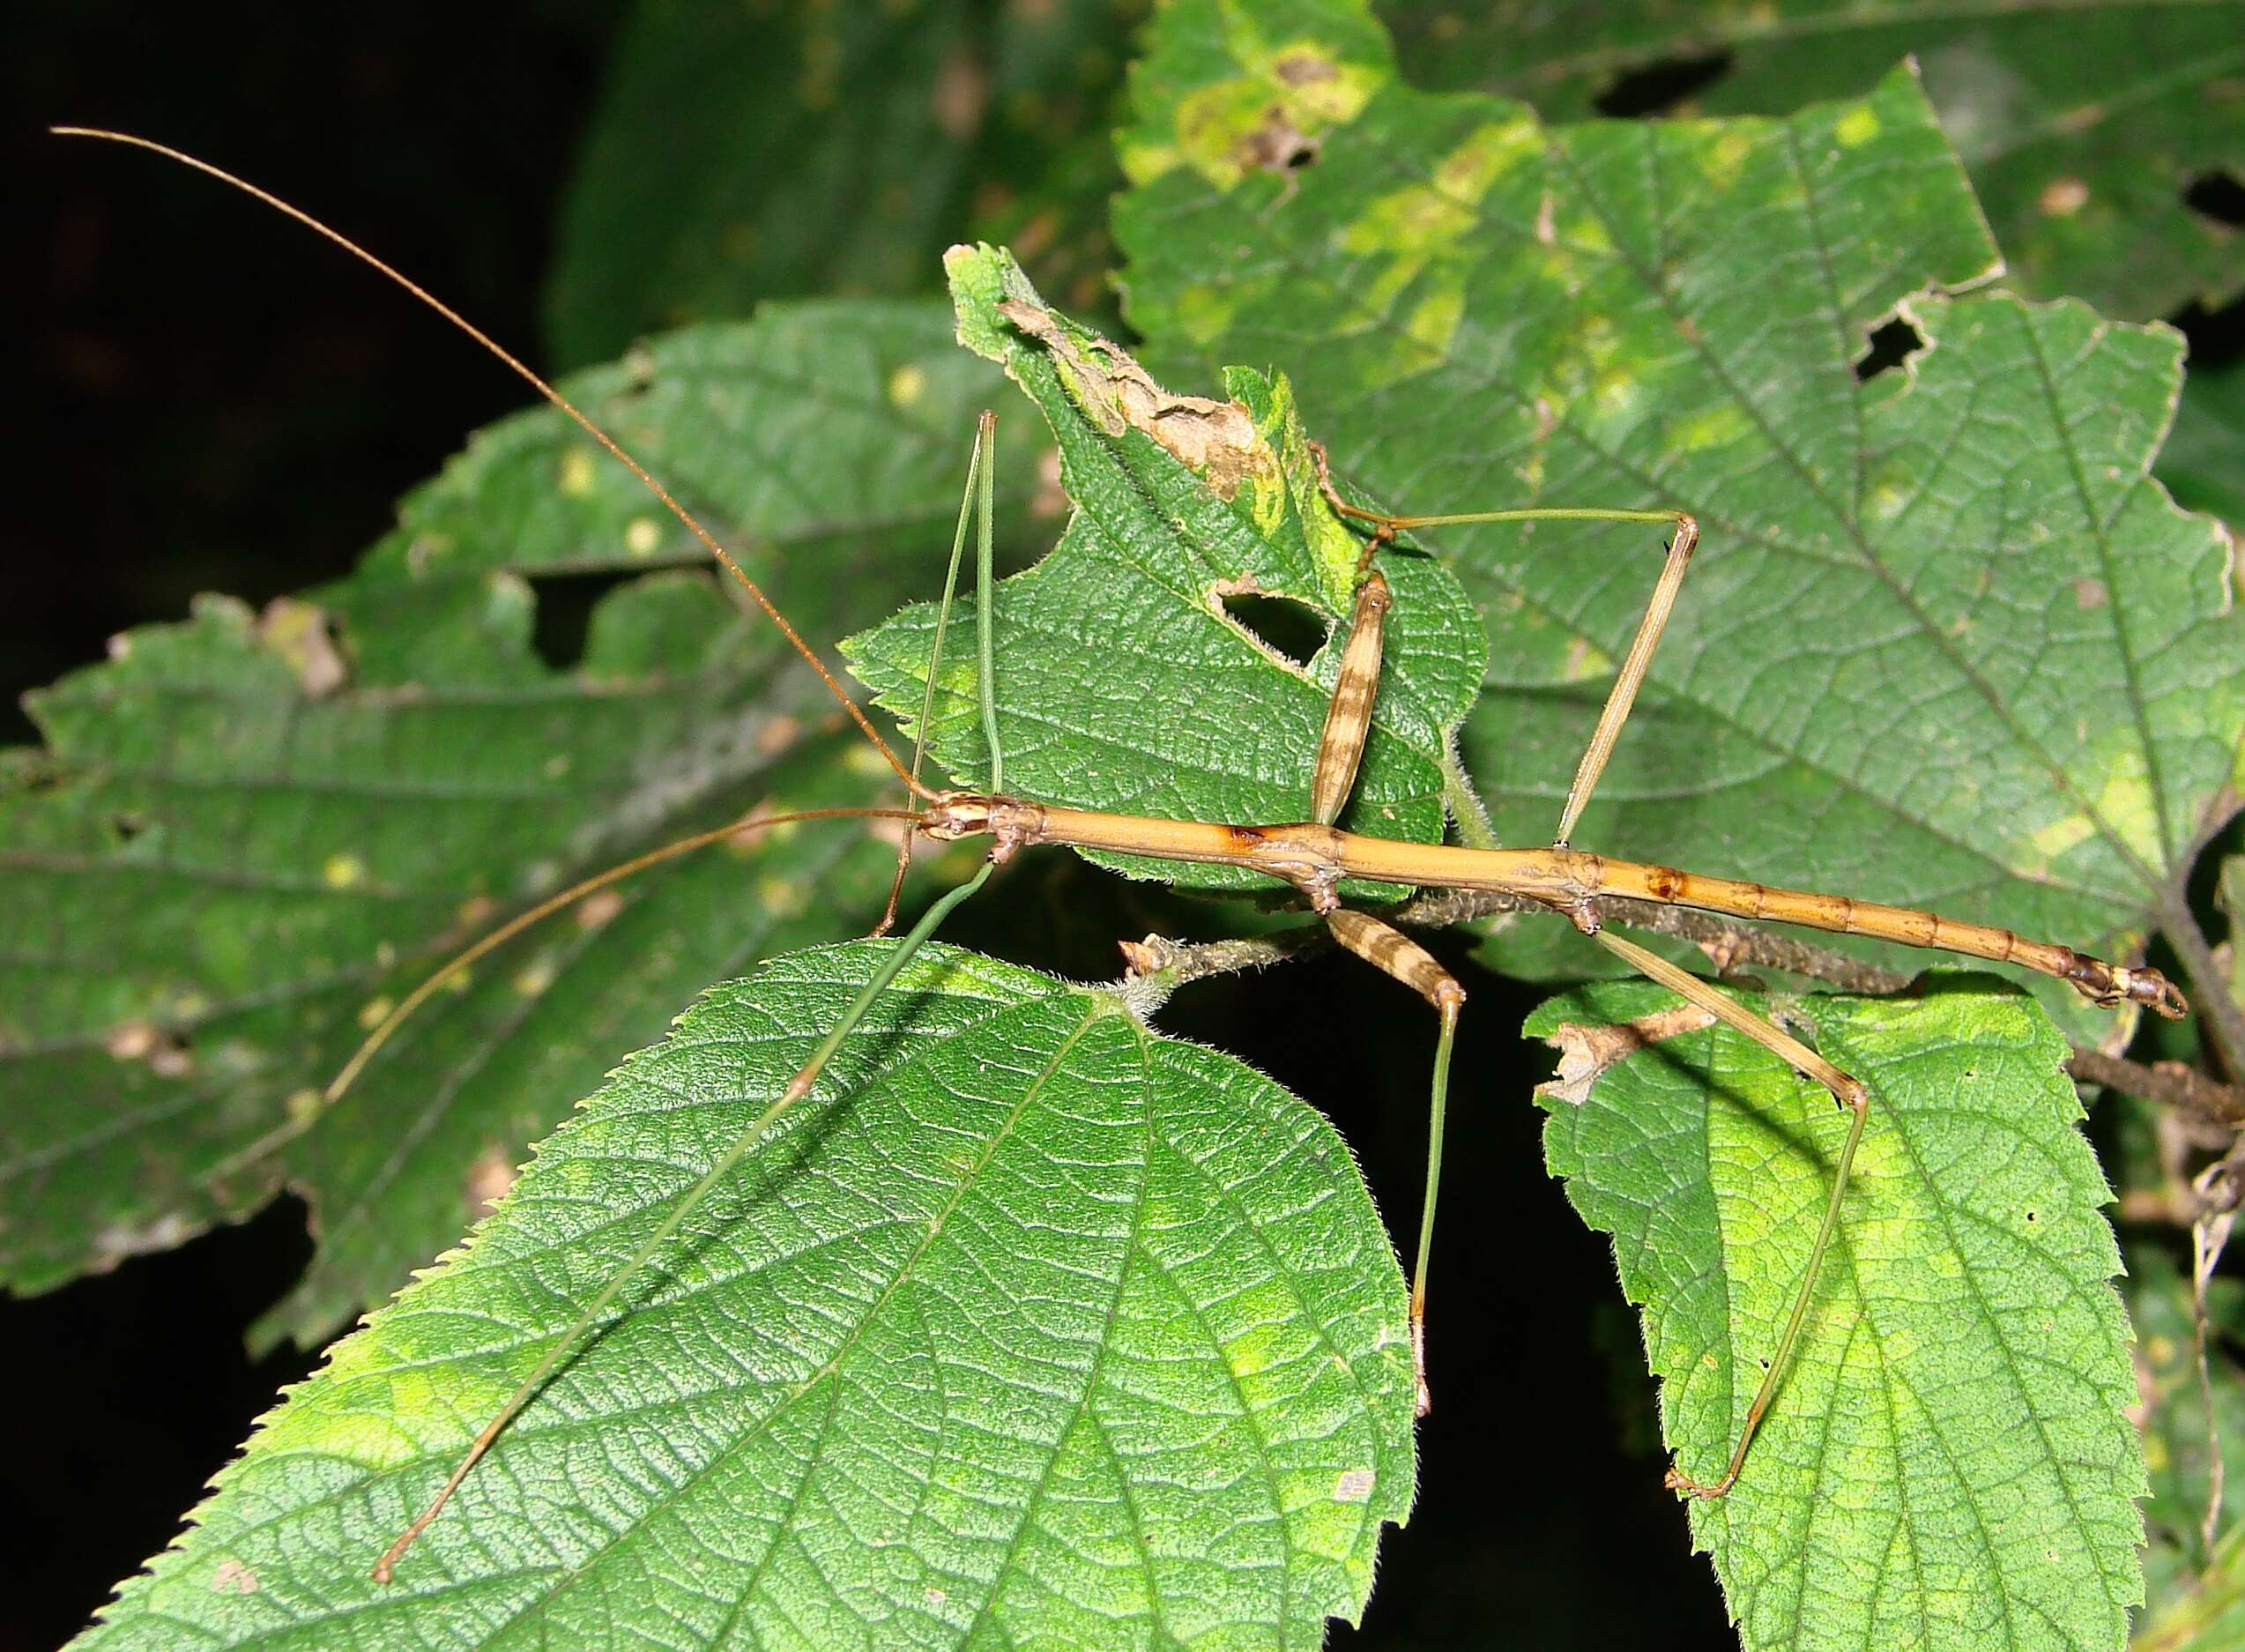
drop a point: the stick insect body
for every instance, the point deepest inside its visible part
(1312, 856)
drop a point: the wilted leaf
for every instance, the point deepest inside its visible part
(1946, 642)
(1949, 1463)
(246, 835)
(743, 154)
(2085, 126)
(1027, 1328)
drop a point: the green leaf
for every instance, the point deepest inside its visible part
(2083, 125)
(1028, 1327)
(1125, 682)
(1949, 1463)
(743, 154)
(246, 835)
(2211, 1617)
(2179, 1447)
(1946, 642)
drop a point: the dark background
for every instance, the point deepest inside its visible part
(204, 397)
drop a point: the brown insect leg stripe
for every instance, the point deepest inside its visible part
(1391, 951)
(1348, 717)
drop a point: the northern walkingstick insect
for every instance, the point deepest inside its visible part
(1315, 858)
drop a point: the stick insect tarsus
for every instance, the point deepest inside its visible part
(1314, 855)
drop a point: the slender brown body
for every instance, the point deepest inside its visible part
(1314, 858)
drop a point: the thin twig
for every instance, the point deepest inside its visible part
(2219, 1106)
(2218, 1013)
(1728, 946)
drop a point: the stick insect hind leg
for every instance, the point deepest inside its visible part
(1347, 721)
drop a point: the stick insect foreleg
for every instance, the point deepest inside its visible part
(1623, 696)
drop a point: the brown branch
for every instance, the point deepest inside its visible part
(1728, 946)
(2219, 1107)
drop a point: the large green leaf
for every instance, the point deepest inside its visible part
(2084, 124)
(742, 154)
(1947, 643)
(1027, 1328)
(1125, 682)
(1949, 1463)
(246, 835)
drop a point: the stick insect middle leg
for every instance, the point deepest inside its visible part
(1347, 721)
(1340, 749)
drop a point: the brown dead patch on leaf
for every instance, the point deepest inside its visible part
(1215, 439)
(598, 910)
(164, 1053)
(489, 1176)
(779, 732)
(1051, 498)
(302, 633)
(1586, 1052)
(961, 93)
(231, 1577)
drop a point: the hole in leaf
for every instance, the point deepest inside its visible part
(1659, 86)
(2217, 337)
(1284, 626)
(564, 612)
(2217, 195)
(1278, 144)
(1891, 346)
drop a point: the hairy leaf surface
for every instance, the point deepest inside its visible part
(1027, 1328)
(1949, 1463)
(1946, 642)
(2085, 125)
(248, 834)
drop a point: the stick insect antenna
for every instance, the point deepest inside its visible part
(709, 540)
(980, 492)
(569, 897)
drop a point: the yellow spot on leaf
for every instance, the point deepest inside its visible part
(1714, 427)
(864, 760)
(344, 872)
(1857, 126)
(1722, 161)
(577, 473)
